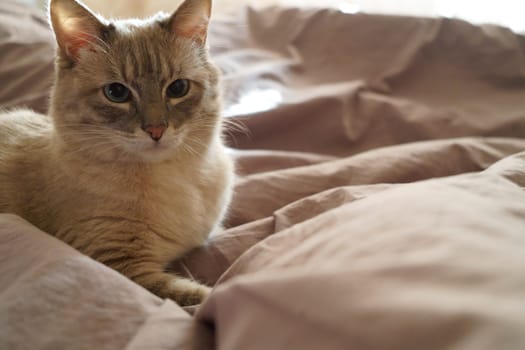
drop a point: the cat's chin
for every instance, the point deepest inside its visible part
(157, 154)
(153, 151)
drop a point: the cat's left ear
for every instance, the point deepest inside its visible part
(75, 27)
(191, 20)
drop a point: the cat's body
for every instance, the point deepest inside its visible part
(133, 183)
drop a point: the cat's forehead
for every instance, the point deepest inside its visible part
(146, 49)
(130, 25)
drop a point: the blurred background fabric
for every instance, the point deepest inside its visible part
(508, 13)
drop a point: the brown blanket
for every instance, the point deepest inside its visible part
(379, 203)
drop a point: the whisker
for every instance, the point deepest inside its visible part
(98, 42)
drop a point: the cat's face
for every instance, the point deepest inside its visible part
(136, 90)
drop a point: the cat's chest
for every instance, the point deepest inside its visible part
(162, 196)
(178, 213)
(169, 211)
(171, 202)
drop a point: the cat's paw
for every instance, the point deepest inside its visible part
(187, 292)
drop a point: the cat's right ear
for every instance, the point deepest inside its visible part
(75, 27)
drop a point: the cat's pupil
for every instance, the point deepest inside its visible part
(116, 92)
(178, 88)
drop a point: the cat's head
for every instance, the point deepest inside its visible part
(134, 90)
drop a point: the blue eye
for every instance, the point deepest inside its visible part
(116, 92)
(178, 88)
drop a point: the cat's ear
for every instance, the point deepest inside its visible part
(75, 27)
(191, 20)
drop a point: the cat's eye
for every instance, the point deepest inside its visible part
(116, 92)
(178, 88)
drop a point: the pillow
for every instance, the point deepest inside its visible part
(26, 57)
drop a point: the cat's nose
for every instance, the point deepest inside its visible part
(155, 131)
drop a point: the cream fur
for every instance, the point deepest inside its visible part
(112, 192)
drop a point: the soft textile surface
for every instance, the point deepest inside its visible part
(379, 206)
(26, 58)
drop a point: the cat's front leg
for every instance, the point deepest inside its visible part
(151, 276)
(183, 290)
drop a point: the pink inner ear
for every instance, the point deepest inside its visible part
(75, 30)
(76, 42)
(197, 29)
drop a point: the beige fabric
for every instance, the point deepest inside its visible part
(52, 297)
(437, 264)
(380, 207)
(26, 57)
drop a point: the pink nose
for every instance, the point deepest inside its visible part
(155, 131)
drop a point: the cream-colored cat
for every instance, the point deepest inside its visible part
(129, 166)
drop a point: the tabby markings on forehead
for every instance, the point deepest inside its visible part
(142, 60)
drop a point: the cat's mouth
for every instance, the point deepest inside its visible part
(155, 146)
(142, 147)
(152, 150)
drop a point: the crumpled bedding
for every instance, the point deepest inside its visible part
(379, 204)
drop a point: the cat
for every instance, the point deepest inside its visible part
(129, 166)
